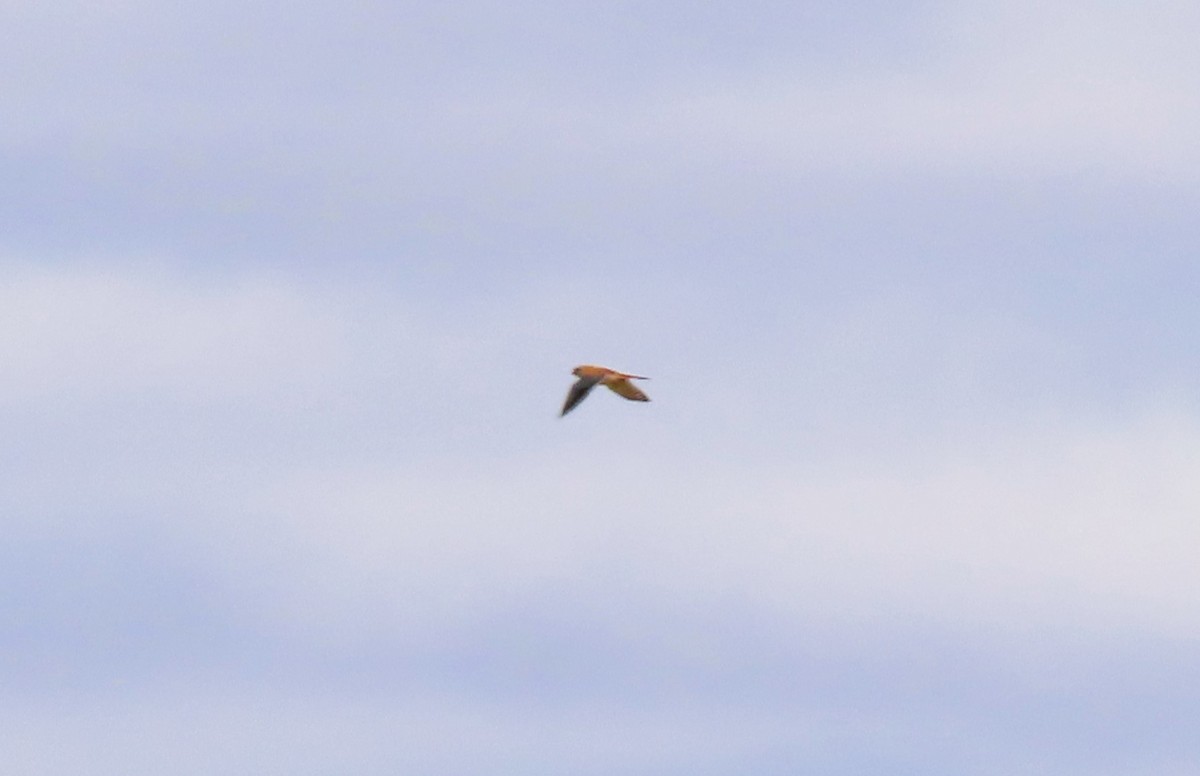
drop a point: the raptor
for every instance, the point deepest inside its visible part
(591, 376)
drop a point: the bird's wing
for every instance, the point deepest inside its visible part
(623, 387)
(578, 393)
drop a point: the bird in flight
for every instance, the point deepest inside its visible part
(591, 376)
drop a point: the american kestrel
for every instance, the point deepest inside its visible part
(591, 376)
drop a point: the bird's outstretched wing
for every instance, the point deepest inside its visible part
(623, 387)
(578, 393)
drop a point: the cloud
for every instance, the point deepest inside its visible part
(461, 149)
(151, 389)
(96, 333)
(911, 283)
(372, 454)
(1003, 93)
(1078, 530)
(278, 735)
(205, 729)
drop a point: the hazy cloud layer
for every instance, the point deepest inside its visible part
(289, 302)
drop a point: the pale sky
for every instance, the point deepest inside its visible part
(290, 295)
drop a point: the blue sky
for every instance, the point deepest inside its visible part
(291, 295)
